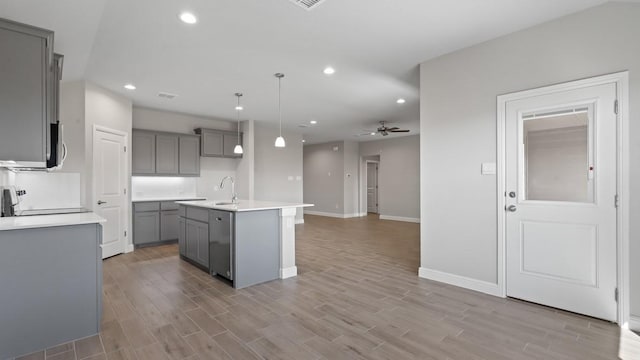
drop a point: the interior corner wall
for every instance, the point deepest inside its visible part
(323, 178)
(458, 127)
(277, 171)
(398, 176)
(246, 166)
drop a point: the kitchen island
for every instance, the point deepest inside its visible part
(248, 243)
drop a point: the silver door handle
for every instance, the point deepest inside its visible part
(100, 202)
(512, 208)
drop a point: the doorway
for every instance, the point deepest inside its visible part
(372, 186)
(110, 187)
(560, 195)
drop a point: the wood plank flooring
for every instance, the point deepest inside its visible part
(357, 296)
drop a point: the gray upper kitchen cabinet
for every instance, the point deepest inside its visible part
(189, 149)
(167, 156)
(218, 143)
(26, 81)
(212, 144)
(143, 153)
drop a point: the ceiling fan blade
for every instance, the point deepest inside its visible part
(393, 128)
(400, 130)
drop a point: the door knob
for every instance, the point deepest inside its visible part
(100, 202)
(512, 208)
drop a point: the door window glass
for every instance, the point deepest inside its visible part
(557, 162)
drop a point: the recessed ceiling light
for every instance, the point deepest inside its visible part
(329, 70)
(130, 87)
(239, 108)
(313, 122)
(188, 18)
(303, 140)
(372, 134)
(401, 101)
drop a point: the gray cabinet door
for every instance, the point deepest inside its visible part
(169, 227)
(182, 241)
(220, 243)
(189, 155)
(197, 235)
(212, 144)
(24, 80)
(230, 142)
(167, 154)
(143, 155)
(146, 227)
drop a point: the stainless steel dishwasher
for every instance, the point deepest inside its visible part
(220, 244)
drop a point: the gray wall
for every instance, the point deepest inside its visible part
(323, 177)
(458, 126)
(277, 171)
(398, 176)
(350, 177)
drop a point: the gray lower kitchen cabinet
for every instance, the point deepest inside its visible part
(26, 83)
(155, 223)
(218, 143)
(143, 154)
(182, 244)
(167, 156)
(169, 227)
(146, 227)
(51, 281)
(197, 242)
(189, 155)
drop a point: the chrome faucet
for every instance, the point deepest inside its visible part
(234, 196)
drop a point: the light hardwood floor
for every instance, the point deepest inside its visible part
(357, 296)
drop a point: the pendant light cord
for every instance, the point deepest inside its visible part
(279, 102)
(238, 111)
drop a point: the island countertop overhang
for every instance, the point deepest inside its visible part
(242, 205)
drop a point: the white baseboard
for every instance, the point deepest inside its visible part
(461, 281)
(299, 221)
(128, 248)
(634, 323)
(289, 272)
(334, 215)
(400, 218)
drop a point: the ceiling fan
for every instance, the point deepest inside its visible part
(384, 130)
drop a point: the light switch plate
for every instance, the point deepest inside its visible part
(488, 168)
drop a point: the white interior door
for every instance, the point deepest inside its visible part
(110, 179)
(372, 187)
(561, 200)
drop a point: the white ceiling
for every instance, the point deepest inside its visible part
(237, 45)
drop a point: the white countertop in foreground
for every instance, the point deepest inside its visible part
(42, 221)
(182, 198)
(242, 205)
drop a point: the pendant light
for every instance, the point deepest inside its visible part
(238, 148)
(280, 140)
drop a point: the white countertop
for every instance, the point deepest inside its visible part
(242, 205)
(183, 198)
(42, 221)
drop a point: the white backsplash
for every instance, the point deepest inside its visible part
(150, 187)
(48, 190)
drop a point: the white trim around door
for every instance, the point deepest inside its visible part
(621, 80)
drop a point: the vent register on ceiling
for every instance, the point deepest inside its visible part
(307, 4)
